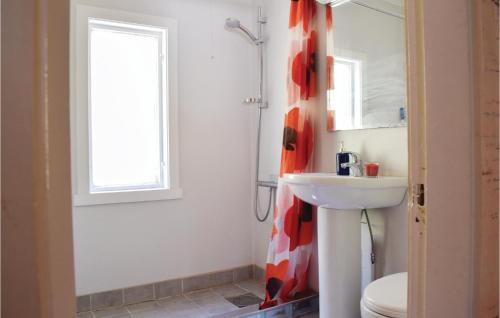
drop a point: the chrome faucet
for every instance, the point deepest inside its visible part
(354, 165)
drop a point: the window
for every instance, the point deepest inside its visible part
(346, 97)
(123, 107)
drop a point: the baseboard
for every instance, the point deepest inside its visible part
(159, 290)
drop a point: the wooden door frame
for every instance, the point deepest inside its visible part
(441, 147)
(444, 139)
(416, 156)
(37, 241)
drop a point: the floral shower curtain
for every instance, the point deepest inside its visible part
(294, 220)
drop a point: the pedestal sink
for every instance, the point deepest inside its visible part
(340, 200)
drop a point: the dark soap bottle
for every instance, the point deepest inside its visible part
(343, 157)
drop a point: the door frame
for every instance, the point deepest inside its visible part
(37, 241)
(416, 157)
(443, 143)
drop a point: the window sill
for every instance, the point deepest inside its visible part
(126, 197)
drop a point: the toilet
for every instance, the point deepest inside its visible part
(385, 297)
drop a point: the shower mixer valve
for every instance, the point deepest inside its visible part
(256, 100)
(252, 100)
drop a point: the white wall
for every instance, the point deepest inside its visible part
(213, 227)
(386, 146)
(209, 229)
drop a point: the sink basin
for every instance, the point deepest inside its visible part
(339, 200)
(331, 191)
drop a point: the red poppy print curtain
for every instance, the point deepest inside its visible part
(330, 123)
(290, 248)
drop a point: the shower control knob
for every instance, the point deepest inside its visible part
(252, 100)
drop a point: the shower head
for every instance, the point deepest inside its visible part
(232, 23)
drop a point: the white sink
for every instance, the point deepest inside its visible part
(340, 200)
(331, 191)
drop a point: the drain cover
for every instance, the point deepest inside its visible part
(244, 300)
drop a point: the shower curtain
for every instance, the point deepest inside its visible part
(294, 220)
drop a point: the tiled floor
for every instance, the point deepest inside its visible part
(198, 304)
(313, 315)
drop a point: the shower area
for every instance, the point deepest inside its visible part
(199, 251)
(261, 104)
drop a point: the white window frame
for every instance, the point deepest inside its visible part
(80, 110)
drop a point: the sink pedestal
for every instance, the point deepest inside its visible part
(339, 248)
(341, 199)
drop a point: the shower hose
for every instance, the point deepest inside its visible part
(269, 204)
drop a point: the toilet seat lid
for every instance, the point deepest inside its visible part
(388, 295)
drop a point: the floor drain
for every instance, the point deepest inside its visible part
(244, 300)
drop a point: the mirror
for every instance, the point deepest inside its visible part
(367, 61)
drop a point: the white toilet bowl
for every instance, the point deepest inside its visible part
(385, 297)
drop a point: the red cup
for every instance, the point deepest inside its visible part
(371, 169)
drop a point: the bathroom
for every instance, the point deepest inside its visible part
(196, 230)
(128, 244)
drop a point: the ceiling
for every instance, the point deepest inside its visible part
(398, 3)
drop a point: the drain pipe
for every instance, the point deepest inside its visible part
(372, 253)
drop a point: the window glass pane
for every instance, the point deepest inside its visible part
(346, 96)
(125, 109)
(343, 95)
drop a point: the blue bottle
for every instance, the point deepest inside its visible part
(402, 115)
(343, 157)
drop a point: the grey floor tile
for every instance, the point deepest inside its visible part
(180, 300)
(195, 313)
(193, 283)
(222, 278)
(211, 303)
(138, 294)
(180, 306)
(151, 313)
(168, 288)
(215, 302)
(218, 309)
(113, 298)
(85, 315)
(255, 287)
(190, 284)
(230, 290)
(204, 293)
(243, 273)
(113, 313)
(83, 303)
(150, 305)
